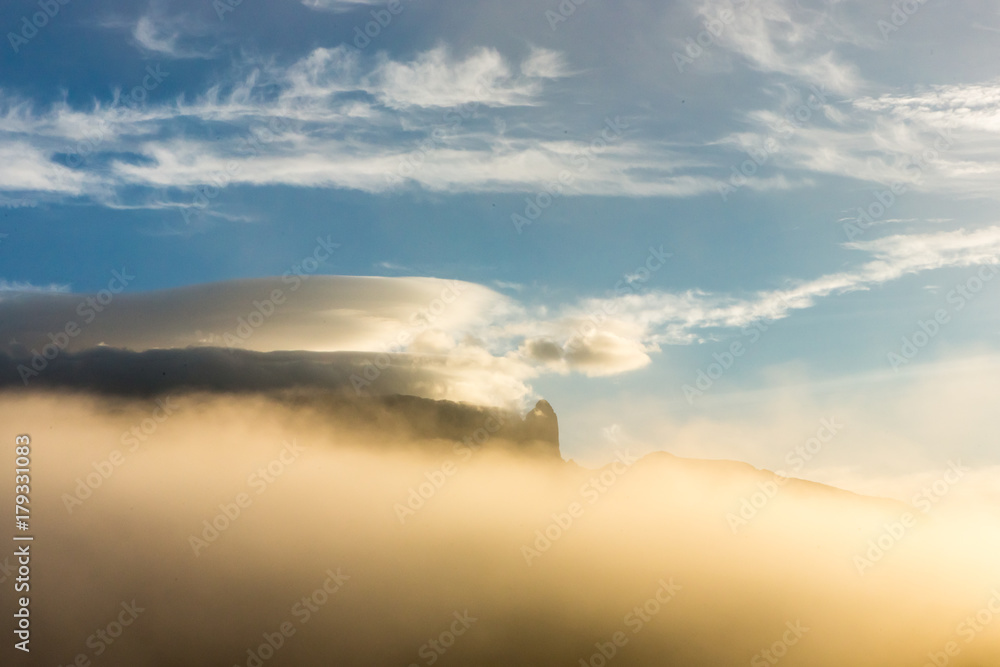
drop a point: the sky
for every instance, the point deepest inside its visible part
(702, 227)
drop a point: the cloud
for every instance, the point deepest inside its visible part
(151, 36)
(336, 118)
(604, 353)
(610, 335)
(779, 36)
(331, 137)
(436, 79)
(26, 168)
(469, 376)
(339, 5)
(896, 432)
(297, 311)
(476, 340)
(484, 120)
(28, 288)
(166, 36)
(545, 64)
(594, 354)
(16, 202)
(433, 335)
(938, 139)
(321, 494)
(339, 118)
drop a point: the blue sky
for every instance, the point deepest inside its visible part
(197, 142)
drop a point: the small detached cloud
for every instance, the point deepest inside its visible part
(339, 6)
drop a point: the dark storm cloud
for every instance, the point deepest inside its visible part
(340, 384)
(153, 372)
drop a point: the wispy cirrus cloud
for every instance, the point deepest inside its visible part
(931, 139)
(482, 121)
(784, 37)
(19, 287)
(157, 34)
(609, 335)
(354, 122)
(339, 5)
(436, 80)
(26, 168)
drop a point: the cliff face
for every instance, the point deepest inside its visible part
(541, 424)
(431, 420)
(475, 425)
(319, 381)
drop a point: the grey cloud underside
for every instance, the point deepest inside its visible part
(118, 372)
(332, 313)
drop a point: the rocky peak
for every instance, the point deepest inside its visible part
(542, 424)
